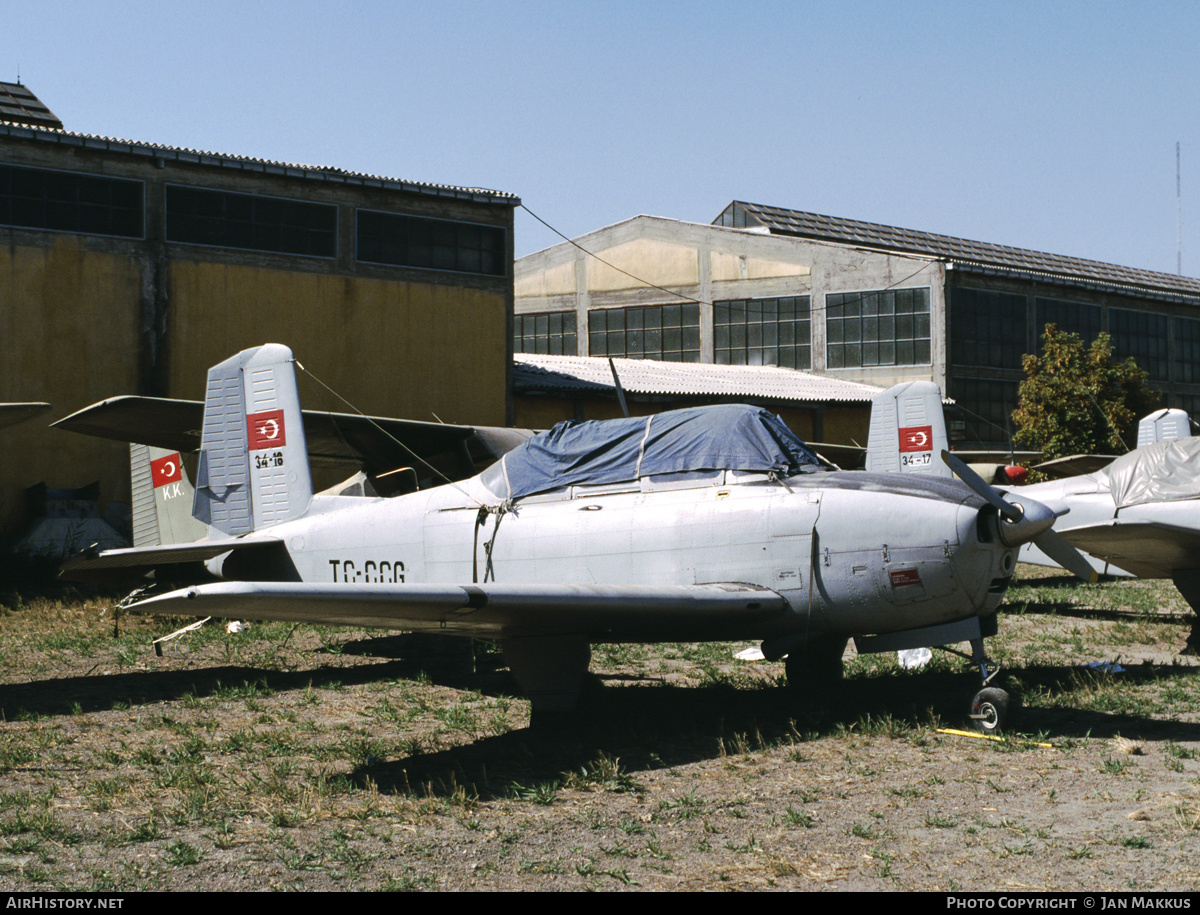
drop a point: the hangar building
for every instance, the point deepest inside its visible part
(862, 302)
(819, 408)
(130, 268)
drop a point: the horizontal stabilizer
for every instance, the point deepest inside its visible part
(13, 413)
(598, 612)
(133, 562)
(378, 444)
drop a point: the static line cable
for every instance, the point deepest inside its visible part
(644, 282)
(1112, 430)
(571, 241)
(411, 453)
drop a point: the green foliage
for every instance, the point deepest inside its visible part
(1076, 399)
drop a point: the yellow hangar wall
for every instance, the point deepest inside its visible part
(70, 321)
(391, 348)
(129, 268)
(68, 331)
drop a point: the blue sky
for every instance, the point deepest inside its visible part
(1042, 125)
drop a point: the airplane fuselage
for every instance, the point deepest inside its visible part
(816, 539)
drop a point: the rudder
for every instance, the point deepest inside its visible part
(908, 430)
(1162, 425)
(254, 469)
(163, 498)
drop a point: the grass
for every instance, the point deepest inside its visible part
(335, 756)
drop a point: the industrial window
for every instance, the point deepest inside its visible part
(550, 334)
(987, 329)
(667, 332)
(38, 198)
(889, 327)
(1142, 335)
(735, 217)
(763, 332)
(222, 219)
(984, 410)
(1075, 317)
(431, 244)
(1187, 351)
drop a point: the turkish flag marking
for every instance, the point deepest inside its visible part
(916, 438)
(165, 470)
(265, 430)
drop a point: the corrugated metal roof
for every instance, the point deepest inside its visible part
(646, 376)
(18, 104)
(965, 253)
(245, 163)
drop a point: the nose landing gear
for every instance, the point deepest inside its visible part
(990, 709)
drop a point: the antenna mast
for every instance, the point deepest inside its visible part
(1178, 218)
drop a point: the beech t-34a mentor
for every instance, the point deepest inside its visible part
(714, 523)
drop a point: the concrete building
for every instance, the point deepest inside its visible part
(858, 301)
(129, 268)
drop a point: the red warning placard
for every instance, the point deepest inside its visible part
(165, 470)
(916, 438)
(903, 578)
(265, 430)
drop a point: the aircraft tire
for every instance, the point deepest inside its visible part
(990, 710)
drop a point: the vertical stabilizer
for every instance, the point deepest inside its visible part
(162, 498)
(253, 457)
(908, 430)
(1162, 425)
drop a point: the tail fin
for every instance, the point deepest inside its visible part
(253, 457)
(1162, 425)
(908, 430)
(162, 498)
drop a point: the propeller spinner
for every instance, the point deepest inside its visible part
(1024, 520)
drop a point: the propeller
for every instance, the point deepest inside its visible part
(1024, 520)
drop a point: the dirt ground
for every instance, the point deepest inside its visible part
(344, 760)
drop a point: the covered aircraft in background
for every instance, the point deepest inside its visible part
(707, 524)
(1140, 515)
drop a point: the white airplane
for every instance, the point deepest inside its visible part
(714, 523)
(1138, 516)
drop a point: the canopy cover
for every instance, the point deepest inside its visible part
(1161, 472)
(723, 437)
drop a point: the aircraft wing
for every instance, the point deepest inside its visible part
(375, 443)
(1147, 549)
(1074, 465)
(599, 612)
(13, 413)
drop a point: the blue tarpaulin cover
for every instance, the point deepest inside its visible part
(723, 437)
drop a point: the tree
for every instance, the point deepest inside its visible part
(1076, 400)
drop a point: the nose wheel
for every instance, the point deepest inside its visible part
(991, 707)
(989, 710)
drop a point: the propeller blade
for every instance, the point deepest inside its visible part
(1057, 547)
(981, 488)
(1023, 519)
